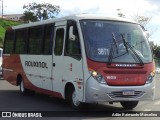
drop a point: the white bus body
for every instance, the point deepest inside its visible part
(78, 77)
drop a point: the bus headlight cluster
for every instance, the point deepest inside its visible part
(98, 77)
(150, 77)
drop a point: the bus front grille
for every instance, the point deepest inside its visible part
(119, 94)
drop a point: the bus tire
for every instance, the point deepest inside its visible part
(72, 99)
(129, 104)
(23, 90)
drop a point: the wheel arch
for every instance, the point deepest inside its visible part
(19, 78)
(68, 87)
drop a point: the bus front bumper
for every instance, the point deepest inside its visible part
(96, 92)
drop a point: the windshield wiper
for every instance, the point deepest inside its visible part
(111, 53)
(127, 45)
(110, 57)
(115, 42)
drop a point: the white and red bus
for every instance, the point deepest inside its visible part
(82, 58)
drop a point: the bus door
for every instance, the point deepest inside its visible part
(73, 69)
(57, 57)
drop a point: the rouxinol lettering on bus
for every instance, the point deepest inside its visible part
(82, 58)
(36, 64)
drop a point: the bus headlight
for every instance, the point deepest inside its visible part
(98, 77)
(150, 77)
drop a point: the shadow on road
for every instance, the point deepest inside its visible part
(13, 100)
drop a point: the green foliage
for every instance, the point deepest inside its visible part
(2, 31)
(40, 11)
(29, 16)
(156, 51)
(4, 24)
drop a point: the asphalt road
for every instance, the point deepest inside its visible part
(11, 100)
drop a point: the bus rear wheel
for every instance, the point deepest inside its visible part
(129, 104)
(23, 90)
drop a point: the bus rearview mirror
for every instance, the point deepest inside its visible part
(71, 34)
(147, 34)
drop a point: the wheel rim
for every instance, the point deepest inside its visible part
(22, 87)
(75, 101)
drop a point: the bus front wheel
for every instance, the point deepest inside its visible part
(73, 100)
(129, 104)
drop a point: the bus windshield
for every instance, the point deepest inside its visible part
(105, 41)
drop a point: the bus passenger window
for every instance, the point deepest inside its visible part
(35, 40)
(59, 42)
(47, 39)
(20, 42)
(9, 42)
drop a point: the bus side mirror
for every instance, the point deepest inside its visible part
(71, 34)
(147, 34)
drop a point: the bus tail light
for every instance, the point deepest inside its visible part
(98, 77)
(150, 77)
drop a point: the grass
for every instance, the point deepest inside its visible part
(2, 32)
(4, 24)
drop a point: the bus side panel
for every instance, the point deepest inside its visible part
(73, 73)
(38, 71)
(11, 68)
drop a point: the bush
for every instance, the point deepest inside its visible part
(4, 24)
(1, 42)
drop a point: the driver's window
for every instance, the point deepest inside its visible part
(73, 48)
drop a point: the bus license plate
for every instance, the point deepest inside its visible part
(128, 92)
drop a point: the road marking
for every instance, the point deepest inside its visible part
(147, 110)
(157, 103)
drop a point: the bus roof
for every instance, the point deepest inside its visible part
(73, 17)
(103, 17)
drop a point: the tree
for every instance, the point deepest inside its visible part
(29, 16)
(156, 51)
(143, 20)
(40, 11)
(120, 13)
